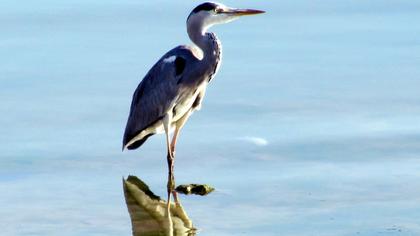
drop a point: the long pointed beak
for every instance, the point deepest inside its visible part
(243, 12)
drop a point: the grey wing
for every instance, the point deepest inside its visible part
(156, 94)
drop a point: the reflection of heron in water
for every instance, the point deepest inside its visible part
(175, 86)
(149, 215)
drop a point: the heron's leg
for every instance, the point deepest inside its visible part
(179, 124)
(171, 183)
(173, 143)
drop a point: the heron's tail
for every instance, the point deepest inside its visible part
(136, 144)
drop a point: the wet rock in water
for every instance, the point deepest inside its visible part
(197, 189)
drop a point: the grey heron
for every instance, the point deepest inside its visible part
(175, 86)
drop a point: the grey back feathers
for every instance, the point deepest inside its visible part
(156, 93)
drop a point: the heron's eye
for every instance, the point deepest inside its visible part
(217, 10)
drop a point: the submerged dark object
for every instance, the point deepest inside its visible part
(197, 189)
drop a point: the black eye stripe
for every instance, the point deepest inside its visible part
(207, 6)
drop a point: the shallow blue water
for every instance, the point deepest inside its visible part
(311, 127)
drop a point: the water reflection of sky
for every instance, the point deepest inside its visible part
(310, 128)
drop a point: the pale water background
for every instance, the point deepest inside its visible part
(311, 127)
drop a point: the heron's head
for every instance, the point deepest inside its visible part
(208, 14)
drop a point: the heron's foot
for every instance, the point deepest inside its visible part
(171, 179)
(170, 188)
(171, 184)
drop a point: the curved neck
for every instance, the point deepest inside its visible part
(211, 49)
(207, 42)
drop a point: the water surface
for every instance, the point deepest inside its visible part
(311, 126)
